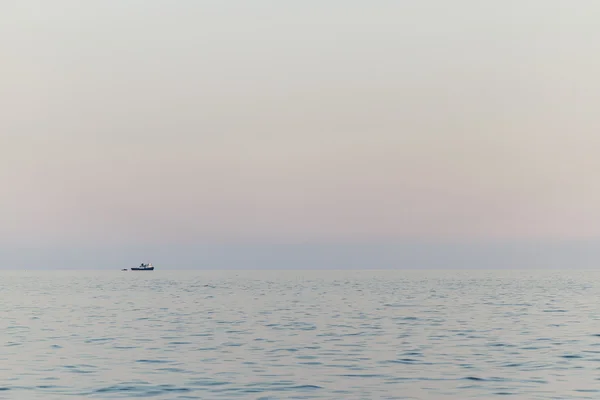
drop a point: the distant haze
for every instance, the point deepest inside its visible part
(299, 134)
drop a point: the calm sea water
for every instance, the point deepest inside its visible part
(300, 335)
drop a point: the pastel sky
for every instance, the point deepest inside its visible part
(160, 123)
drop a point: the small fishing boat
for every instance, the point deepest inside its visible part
(144, 267)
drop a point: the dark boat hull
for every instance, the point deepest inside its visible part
(143, 269)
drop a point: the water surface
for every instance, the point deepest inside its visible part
(300, 335)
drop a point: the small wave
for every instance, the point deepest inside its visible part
(572, 356)
(148, 361)
(145, 390)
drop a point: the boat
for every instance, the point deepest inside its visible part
(144, 267)
(124, 269)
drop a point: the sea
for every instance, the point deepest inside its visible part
(402, 334)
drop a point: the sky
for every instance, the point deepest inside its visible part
(316, 134)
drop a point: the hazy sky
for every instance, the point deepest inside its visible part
(160, 124)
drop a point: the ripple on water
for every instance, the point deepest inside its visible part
(319, 335)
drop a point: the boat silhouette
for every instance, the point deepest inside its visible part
(144, 267)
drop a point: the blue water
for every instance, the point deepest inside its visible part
(300, 335)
